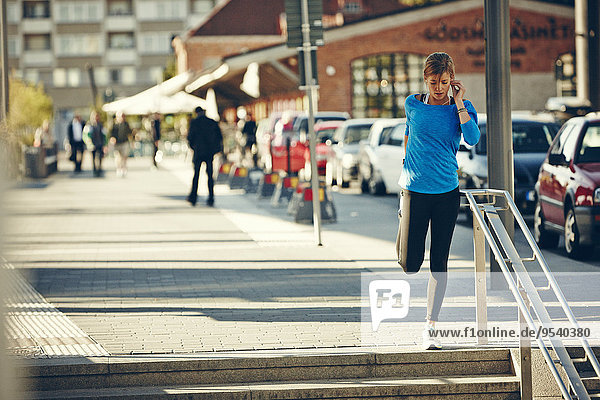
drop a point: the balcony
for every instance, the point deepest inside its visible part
(36, 25)
(121, 56)
(117, 23)
(37, 58)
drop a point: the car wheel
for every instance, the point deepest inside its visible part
(543, 238)
(377, 188)
(572, 246)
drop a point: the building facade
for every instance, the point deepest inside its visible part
(122, 46)
(369, 65)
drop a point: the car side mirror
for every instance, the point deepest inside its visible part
(557, 159)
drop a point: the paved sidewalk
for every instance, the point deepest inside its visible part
(139, 271)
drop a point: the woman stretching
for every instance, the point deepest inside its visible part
(429, 180)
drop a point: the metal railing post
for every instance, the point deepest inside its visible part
(525, 353)
(480, 282)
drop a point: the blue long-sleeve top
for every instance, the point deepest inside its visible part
(433, 134)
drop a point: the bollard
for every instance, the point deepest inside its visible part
(255, 175)
(238, 177)
(284, 190)
(224, 170)
(267, 184)
(303, 209)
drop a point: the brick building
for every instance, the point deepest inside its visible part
(372, 60)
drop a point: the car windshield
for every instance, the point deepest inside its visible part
(528, 137)
(590, 146)
(396, 136)
(325, 134)
(356, 133)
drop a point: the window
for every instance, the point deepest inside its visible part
(115, 76)
(568, 147)
(590, 146)
(78, 45)
(119, 7)
(12, 16)
(396, 137)
(532, 138)
(36, 9)
(381, 83)
(157, 10)
(121, 40)
(352, 7)
(527, 137)
(74, 77)
(59, 77)
(77, 12)
(13, 46)
(155, 42)
(101, 76)
(128, 76)
(37, 42)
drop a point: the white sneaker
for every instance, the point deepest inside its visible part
(430, 341)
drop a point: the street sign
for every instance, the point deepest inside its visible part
(301, 68)
(293, 12)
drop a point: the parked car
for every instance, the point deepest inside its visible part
(343, 165)
(324, 131)
(568, 189)
(531, 140)
(380, 157)
(301, 123)
(295, 129)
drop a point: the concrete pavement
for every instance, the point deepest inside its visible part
(136, 270)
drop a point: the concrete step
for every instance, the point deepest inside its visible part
(259, 366)
(498, 387)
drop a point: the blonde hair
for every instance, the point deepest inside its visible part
(438, 63)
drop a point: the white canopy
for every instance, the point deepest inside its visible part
(167, 97)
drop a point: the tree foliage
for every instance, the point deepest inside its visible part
(29, 106)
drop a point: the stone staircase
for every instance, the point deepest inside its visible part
(313, 374)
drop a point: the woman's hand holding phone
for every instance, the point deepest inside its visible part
(458, 89)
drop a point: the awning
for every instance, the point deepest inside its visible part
(167, 97)
(242, 78)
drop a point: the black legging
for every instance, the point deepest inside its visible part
(418, 211)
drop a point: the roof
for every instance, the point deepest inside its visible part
(239, 17)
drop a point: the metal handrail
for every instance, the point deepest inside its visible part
(531, 291)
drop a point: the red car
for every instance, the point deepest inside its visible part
(324, 131)
(568, 189)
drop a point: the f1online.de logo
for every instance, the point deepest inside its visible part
(389, 300)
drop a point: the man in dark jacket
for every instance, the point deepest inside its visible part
(75, 136)
(205, 138)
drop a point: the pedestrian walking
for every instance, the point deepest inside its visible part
(155, 131)
(120, 135)
(75, 136)
(206, 140)
(249, 134)
(97, 139)
(430, 194)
